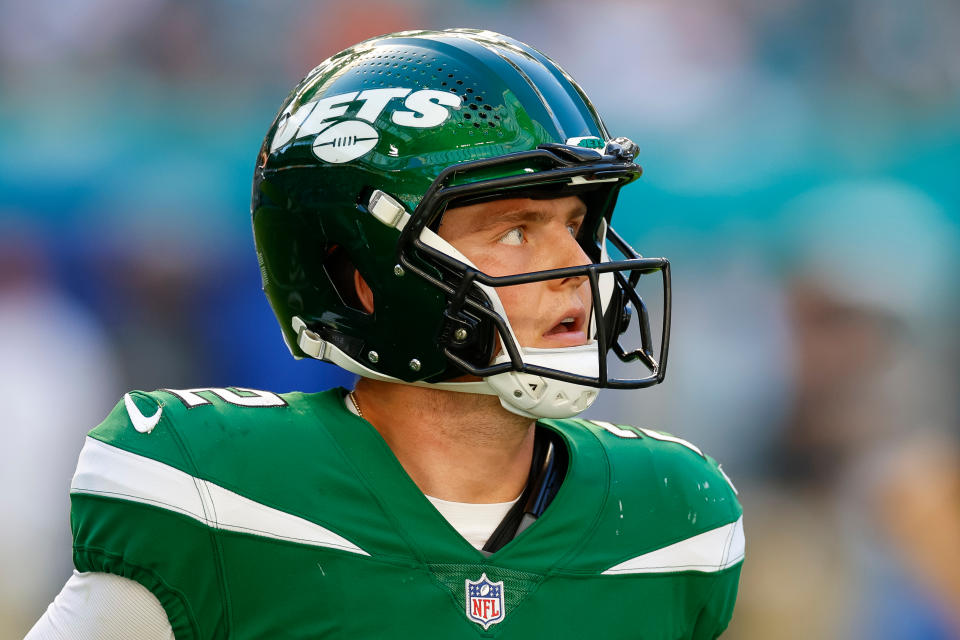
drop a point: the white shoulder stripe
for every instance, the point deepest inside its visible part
(656, 435)
(707, 552)
(109, 471)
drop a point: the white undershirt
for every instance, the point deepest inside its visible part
(475, 522)
(102, 606)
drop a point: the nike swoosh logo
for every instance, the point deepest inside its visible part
(141, 423)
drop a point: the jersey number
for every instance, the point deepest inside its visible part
(235, 395)
(620, 432)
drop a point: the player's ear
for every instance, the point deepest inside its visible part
(363, 291)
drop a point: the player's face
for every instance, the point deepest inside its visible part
(519, 235)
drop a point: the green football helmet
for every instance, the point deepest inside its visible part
(357, 169)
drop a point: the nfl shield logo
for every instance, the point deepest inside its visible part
(485, 601)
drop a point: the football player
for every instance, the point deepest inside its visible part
(432, 211)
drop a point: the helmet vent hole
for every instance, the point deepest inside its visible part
(340, 271)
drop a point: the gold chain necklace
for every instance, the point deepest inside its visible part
(356, 405)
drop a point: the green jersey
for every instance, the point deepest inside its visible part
(255, 515)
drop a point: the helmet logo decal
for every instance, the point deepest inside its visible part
(345, 141)
(342, 137)
(587, 142)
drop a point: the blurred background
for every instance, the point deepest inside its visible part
(800, 162)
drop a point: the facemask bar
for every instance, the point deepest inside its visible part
(574, 166)
(636, 267)
(628, 287)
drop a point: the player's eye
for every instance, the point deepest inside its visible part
(513, 237)
(573, 229)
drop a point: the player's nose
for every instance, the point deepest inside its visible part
(567, 252)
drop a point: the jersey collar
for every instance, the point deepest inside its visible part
(562, 529)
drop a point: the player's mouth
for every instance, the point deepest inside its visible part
(569, 330)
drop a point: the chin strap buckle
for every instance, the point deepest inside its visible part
(308, 341)
(387, 210)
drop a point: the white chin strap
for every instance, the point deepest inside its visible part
(524, 394)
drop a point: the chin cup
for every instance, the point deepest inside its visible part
(533, 396)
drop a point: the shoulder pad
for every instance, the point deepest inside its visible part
(161, 424)
(671, 506)
(211, 463)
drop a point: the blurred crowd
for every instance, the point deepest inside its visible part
(800, 159)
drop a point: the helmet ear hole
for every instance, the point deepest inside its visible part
(340, 271)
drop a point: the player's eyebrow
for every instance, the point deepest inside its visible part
(512, 217)
(517, 216)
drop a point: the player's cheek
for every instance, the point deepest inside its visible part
(521, 303)
(585, 294)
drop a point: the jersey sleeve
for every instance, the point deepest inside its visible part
(138, 511)
(718, 611)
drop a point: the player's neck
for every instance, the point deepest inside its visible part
(455, 446)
